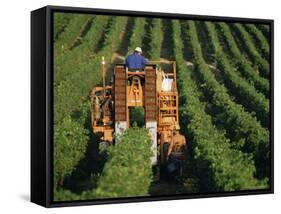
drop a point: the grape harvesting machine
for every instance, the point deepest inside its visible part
(154, 88)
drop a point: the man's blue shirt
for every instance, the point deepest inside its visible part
(136, 61)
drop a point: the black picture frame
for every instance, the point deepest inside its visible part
(42, 104)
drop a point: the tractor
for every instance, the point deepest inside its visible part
(154, 89)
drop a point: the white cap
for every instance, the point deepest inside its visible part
(138, 49)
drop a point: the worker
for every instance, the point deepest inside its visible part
(136, 61)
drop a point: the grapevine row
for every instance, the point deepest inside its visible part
(71, 95)
(215, 159)
(71, 34)
(137, 34)
(70, 139)
(243, 91)
(262, 42)
(254, 55)
(83, 54)
(127, 172)
(240, 124)
(139, 169)
(60, 22)
(242, 64)
(70, 92)
(69, 134)
(265, 29)
(139, 179)
(156, 39)
(220, 164)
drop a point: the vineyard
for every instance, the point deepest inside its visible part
(223, 74)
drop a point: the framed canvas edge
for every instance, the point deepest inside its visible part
(49, 105)
(38, 108)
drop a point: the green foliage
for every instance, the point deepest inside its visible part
(239, 123)
(245, 93)
(137, 34)
(220, 167)
(71, 33)
(261, 41)
(112, 38)
(137, 116)
(83, 54)
(128, 171)
(250, 48)
(265, 29)
(73, 91)
(70, 140)
(60, 22)
(156, 39)
(235, 157)
(243, 66)
(65, 195)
